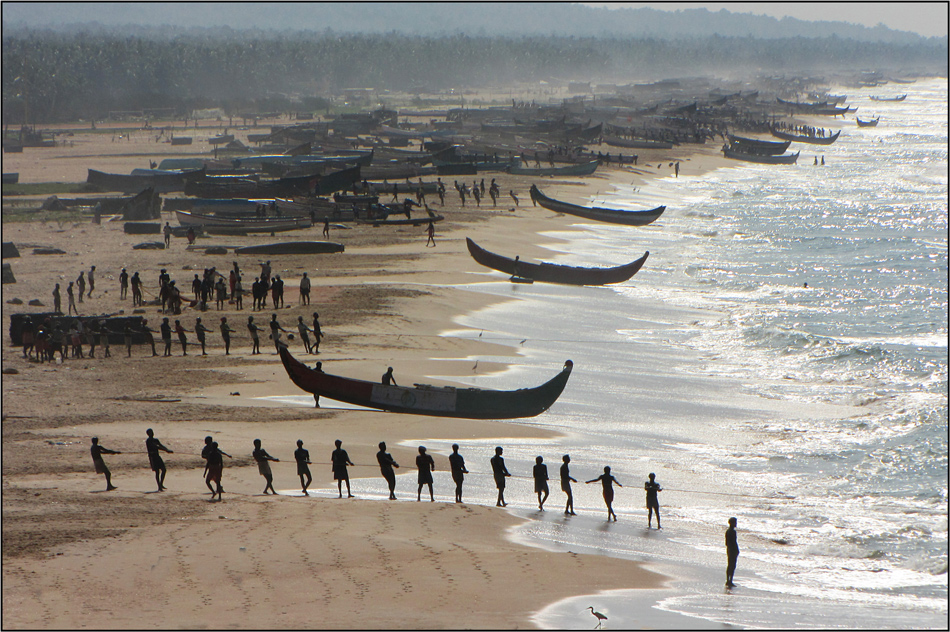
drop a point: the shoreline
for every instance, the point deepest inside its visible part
(393, 314)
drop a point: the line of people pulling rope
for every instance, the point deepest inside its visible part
(340, 461)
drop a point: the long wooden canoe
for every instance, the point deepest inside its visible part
(871, 123)
(554, 273)
(811, 140)
(415, 221)
(161, 181)
(790, 159)
(250, 225)
(581, 169)
(292, 248)
(600, 214)
(423, 399)
(756, 146)
(889, 99)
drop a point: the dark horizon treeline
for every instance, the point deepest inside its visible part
(61, 77)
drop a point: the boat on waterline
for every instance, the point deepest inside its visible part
(423, 399)
(600, 214)
(790, 159)
(871, 123)
(889, 99)
(811, 140)
(580, 169)
(755, 146)
(554, 273)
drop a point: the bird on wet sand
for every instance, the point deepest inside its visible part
(600, 618)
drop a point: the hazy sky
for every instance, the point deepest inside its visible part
(926, 18)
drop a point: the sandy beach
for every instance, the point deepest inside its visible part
(75, 556)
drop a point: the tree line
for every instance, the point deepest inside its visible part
(52, 76)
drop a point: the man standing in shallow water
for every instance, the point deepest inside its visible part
(653, 503)
(732, 552)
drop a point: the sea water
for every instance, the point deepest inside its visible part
(817, 415)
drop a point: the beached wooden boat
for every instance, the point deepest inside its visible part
(161, 181)
(292, 248)
(181, 140)
(616, 141)
(423, 399)
(11, 178)
(581, 169)
(280, 188)
(889, 99)
(812, 140)
(414, 221)
(600, 214)
(554, 273)
(213, 223)
(755, 146)
(790, 159)
(871, 123)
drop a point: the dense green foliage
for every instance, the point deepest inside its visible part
(58, 76)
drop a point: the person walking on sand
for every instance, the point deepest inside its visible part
(386, 465)
(302, 456)
(430, 231)
(152, 446)
(71, 300)
(514, 197)
(326, 228)
(566, 480)
(166, 330)
(181, 337)
(426, 465)
(263, 466)
(123, 284)
(499, 472)
(97, 451)
(653, 503)
(540, 473)
(607, 480)
(136, 283)
(104, 339)
(305, 290)
(226, 332)
(304, 332)
(457, 463)
(57, 300)
(339, 459)
(255, 335)
(317, 334)
(127, 334)
(200, 331)
(732, 552)
(275, 330)
(81, 284)
(92, 280)
(168, 234)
